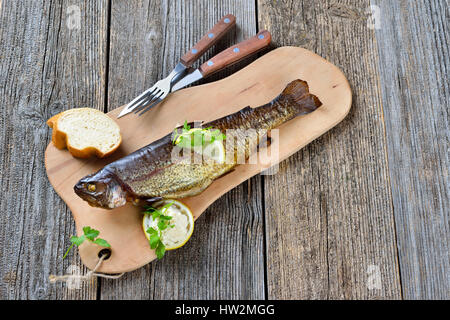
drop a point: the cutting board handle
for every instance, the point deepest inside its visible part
(235, 53)
(209, 39)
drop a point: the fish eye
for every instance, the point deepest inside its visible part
(91, 187)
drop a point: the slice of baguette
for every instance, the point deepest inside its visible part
(85, 132)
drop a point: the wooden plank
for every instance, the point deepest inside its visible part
(224, 258)
(329, 216)
(414, 68)
(46, 67)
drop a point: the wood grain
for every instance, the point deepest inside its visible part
(46, 67)
(339, 194)
(329, 214)
(414, 66)
(147, 39)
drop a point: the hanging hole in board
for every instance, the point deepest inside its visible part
(104, 252)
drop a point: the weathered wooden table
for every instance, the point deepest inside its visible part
(361, 213)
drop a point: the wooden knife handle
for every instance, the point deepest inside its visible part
(209, 39)
(235, 53)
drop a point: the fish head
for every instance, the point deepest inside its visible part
(101, 189)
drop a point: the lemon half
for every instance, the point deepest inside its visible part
(215, 151)
(189, 132)
(182, 221)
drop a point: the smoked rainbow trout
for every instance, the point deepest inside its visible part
(151, 173)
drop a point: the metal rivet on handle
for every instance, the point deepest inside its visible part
(236, 50)
(210, 63)
(261, 36)
(226, 20)
(210, 35)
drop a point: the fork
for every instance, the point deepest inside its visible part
(161, 89)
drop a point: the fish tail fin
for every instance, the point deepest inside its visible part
(297, 94)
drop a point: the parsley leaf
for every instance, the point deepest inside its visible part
(189, 138)
(156, 214)
(162, 224)
(154, 240)
(160, 250)
(167, 206)
(77, 240)
(102, 242)
(90, 235)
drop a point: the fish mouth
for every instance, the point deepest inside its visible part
(78, 188)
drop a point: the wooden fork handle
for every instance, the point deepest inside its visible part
(235, 53)
(209, 39)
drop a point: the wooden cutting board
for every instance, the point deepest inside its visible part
(255, 85)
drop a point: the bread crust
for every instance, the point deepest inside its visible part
(61, 140)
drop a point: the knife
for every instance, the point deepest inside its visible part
(161, 89)
(226, 58)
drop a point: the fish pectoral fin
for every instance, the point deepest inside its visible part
(147, 201)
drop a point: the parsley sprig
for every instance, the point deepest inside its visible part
(192, 137)
(163, 223)
(90, 235)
